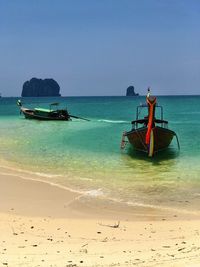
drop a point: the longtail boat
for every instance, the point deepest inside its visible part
(47, 114)
(149, 134)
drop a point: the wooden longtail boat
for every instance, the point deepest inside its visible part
(47, 114)
(44, 114)
(149, 134)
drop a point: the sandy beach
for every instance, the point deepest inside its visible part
(44, 225)
(99, 133)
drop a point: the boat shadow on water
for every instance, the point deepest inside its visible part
(167, 154)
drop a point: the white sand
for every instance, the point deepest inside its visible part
(43, 225)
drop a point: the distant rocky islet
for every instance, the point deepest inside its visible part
(130, 91)
(40, 87)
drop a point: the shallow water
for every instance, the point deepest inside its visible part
(87, 156)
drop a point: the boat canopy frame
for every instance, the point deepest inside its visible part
(53, 104)
(161, 121)
(140, 107)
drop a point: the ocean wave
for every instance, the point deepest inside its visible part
(37, 177)
(114, 121)
(90, 193)
(95, 193)
(157, 207)
(40, 174)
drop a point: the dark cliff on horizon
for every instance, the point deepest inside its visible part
(39, 87)
(130, 91)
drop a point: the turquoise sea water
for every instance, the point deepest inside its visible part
(86, 156)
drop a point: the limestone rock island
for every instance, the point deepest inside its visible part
(38, 87)
(130, 91)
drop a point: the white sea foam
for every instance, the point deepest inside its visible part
(166, 208)
(40, 174)
(22, 174)
(95, 193)
(114, 121)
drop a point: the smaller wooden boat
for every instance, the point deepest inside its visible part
(44, 114)
(149, 134)
(47, 114)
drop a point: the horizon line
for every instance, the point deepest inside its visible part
(97, 96)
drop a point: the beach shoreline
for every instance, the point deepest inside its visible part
(46, 225)
(19, 183)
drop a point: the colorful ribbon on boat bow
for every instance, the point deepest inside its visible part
(151, 117)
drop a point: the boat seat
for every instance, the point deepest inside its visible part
(140, 121)
(145, 121)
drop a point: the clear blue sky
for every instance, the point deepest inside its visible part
(100, 47)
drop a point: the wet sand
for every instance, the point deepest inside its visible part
(44, 225)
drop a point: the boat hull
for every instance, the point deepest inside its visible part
(30, 114)
(162, 138)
